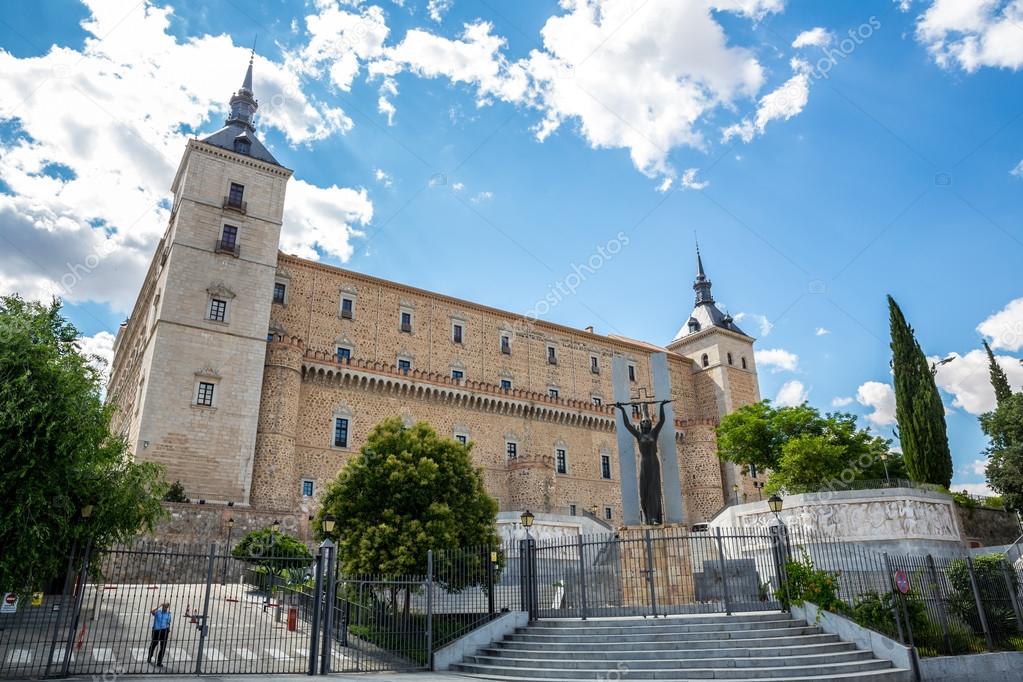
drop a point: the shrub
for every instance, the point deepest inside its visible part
(875, 611)
(176, 493)
(804, 582)
(993, 594)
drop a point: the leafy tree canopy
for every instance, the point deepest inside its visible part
(58, 454)
(804, 450)
(273, 550)
(407, 492)
(1004, 427)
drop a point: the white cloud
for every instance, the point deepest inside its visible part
(383, 177)
(324, 218)
(665, 185)
(763, 324)
(815, 37)
(340, 42)
(967, 378)
(458, 186)
(978, 467)
(1017, 170)
(777, 359)
(841, 401)
(100, 350)
(1005, 328)
(972, 34)
(438, 8)
(881, 397)
(689, 181)
(981, 489)
(115, 116)
(482, 197)
(821, 331)
(782, 103)
(791, 393)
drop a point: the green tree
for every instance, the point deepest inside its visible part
(407, 492)
(1004, 427)
(804, 450)
(918, 407)
(275, 553)
(999, 381)
(58, 454)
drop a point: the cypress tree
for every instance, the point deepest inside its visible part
(999, 381)
(918, 407)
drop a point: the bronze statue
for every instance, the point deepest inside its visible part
(649, 465)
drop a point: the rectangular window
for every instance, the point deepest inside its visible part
(505, 384)
(636, 412)
(205, 395)
(406, 321)
(571, 510)
(632, 372)
(229, 238)
(594, 364)
(269, 336)
(340, 432)
(404, 366)
(597, 400)
(344, 354)
(456, 333)
(553, 392)
(605, 466)
(346, 308)
(552, 355)
(457, 374)
(279, 289)
(505, 344)
(512, 449)
(608, 514)
(561, 461)
(461, 438)
(218, 309)
(307, 488)
(235, 194)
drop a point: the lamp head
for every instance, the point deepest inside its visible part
(527, 518)
(275, 526)
(327, 524)
(86, 511)
(230, 522)
(775, 503)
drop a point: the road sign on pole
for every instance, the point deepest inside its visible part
(10, 603)
(902, 581)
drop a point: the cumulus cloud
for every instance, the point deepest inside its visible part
(967, 378)
(841, 401)
(324, 218)
(1005, 328)
(975, 34)
(764, 325)
(815, 37)
(821, 331)
(689, 181)
(340, 42)
(100, 351)
(95, 136)
(777, 359)
(978, 467)
(438, 8)
(791, 394)
(383, 177)
(1017, 170)
(780, 104)
(880, 397)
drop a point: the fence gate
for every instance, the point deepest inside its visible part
(650, 573)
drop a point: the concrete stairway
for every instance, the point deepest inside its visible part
(761, 646)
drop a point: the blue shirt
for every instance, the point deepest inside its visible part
(161, 619)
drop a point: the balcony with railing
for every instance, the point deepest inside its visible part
(234, 204)
(228, 246)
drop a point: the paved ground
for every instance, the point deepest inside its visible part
(114, 630)
(367, 677)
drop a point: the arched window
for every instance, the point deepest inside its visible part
(729, 358)
(743, 359)
(705, 360)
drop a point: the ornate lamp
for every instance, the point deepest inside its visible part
(775, 503)
(527, 520)
(327, 524)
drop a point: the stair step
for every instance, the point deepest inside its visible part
(889, 675)
(708, 642)
(674, 662)
(662, 627)
(780, 631)
(672, 652)
(637, 621)
(829, 670)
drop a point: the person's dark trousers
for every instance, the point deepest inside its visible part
(159, 637)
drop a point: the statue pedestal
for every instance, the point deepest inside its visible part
(668, 553)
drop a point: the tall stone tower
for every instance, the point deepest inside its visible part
(726, 375)
(188, 365)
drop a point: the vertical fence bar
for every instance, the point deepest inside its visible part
(429, 609)
(203, 619)
(314, 623)
(582, 576)
(328, 618)
(65, 596)
(724, 574)
(650, 574)
(1013, 597)
(946, 634)
(491, 557)
(980, 605)
(76, 611)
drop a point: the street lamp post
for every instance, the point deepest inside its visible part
(227, 550)
(274, 528)
(527, 521)
(884, 460)
(759, 485)
(735, 491)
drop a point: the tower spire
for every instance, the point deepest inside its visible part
(702, 285)
(243, 103)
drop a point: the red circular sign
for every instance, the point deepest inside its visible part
(902, 581)
(11, 598)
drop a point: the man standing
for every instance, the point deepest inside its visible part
(161, 628)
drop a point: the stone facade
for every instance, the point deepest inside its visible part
(303, 345)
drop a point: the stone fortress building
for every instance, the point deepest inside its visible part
(254, 376)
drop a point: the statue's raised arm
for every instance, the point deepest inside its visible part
(625, 418)
(660, 418)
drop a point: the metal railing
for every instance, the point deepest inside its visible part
(227, 246)
(235, 205)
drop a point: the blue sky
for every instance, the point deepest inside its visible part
(825, 154)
